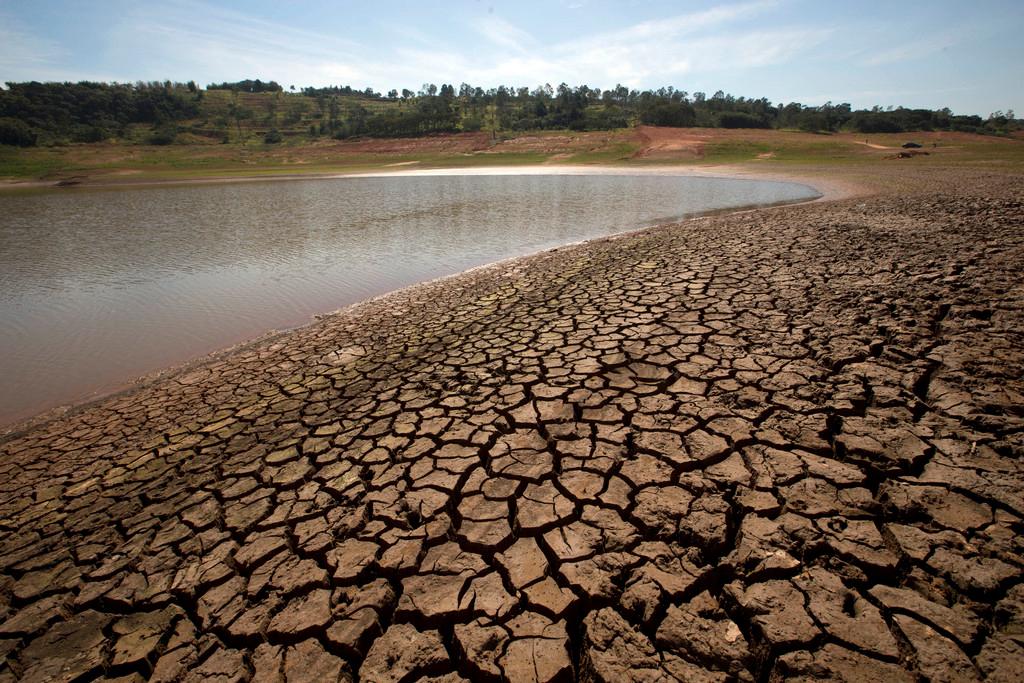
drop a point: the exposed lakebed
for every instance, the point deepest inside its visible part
(99, 286)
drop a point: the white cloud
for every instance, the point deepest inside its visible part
(888, 46)
(184, 39)
(643, 54)
(913, 49)
(22, 49)
(190, 37)
(26, 56)
(637, 63)
(684, 24)
(501, 33)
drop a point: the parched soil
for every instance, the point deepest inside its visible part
(661, 143)
(782, 444)
(658, 143)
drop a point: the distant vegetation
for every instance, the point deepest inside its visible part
(91, 112)
(254, 110)
(247, 86)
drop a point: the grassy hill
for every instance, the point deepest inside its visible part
(167, 113)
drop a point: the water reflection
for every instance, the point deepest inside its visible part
(99, 286)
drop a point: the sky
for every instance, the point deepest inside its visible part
(967, 56)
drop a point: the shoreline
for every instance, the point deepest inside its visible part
(829, 189)
(585, 459)
(736, 171)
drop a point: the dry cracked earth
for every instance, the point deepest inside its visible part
(776, 445)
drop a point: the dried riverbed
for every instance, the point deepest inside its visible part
(779, 444)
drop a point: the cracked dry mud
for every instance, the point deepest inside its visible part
(775, 445)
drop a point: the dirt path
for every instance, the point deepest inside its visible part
(873, 145)
(780, 444)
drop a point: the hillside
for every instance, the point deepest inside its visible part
(48, 114)
(116, 163)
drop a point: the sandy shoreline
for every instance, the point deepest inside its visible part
(772, 444)
(831, 188)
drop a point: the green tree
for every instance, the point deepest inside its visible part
(491, 120)
(17, 133)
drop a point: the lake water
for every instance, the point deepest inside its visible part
(100, 286)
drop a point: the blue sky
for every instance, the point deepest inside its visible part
(967, 56)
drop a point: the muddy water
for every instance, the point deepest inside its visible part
(99, 286)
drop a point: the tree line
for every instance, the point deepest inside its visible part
(247, 86)
(90, 112)
(35, 113)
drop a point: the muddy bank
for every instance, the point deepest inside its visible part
(766, 445)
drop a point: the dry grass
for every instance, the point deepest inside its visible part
(122, 163)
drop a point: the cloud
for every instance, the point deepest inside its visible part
(194, 37)
(636, 63)
(903, 49)
(683, 24)
(26, 56)
(21, 52)
(642, 54)
(183, 39)
(501, 33)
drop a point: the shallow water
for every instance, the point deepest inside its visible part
(100, 286)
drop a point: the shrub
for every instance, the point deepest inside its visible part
(163, 135)
(17, 133)
(666, 113)
(605, 118)
(89, 134)
(870, 122)
(738, 119)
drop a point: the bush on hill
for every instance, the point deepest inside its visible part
(15, 132)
